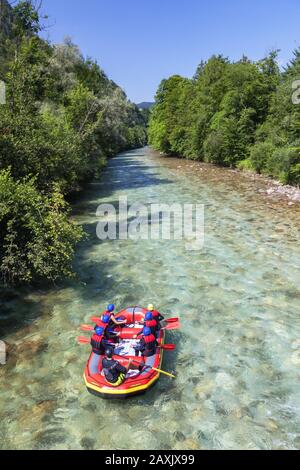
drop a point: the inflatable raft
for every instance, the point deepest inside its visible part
(136, 382)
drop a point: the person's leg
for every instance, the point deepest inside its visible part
(137, 352)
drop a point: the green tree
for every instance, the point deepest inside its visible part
(62, 120)
(37, 237)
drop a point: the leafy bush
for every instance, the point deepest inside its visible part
(284, 164)
(62, 120)
(245, 165)
(37, 239)
(260, 155)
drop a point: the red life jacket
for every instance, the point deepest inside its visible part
(151, 323)
(97, 338)
(102, 324)
(149, 340)
(155, 313)
(96, 343)
(150, 345)
(109, 314)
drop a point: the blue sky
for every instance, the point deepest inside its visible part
(139, 42)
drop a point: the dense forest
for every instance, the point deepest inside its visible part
(62, 119)
(237, 114)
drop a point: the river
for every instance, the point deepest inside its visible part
(238, 351)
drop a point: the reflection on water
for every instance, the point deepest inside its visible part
(238, 352)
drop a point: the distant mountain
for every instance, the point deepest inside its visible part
(145, 105)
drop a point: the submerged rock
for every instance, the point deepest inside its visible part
(32, 417)
(87, 444)
(271, 425)
(28, 349)
(224, 380)
(188, 444)
(204, 387)
(2, 353)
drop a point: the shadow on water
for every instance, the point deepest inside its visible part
(165, 386)
(20, 307)
(122, 173)
(17, 310)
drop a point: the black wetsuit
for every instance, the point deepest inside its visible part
(113, 370)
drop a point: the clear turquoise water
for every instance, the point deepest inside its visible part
(238, 352)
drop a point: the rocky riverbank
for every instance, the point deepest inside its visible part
(266, 186)
(277, 189)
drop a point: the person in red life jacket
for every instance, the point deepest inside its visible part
(109, 322)
(112, 319)
(110, 337)
(156, 315)
(97, 341)
(150, 323)
(147, 345)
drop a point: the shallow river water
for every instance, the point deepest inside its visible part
(238, 351)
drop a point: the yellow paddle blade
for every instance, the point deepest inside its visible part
(165, 373)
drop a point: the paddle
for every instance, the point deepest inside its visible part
(152, 368)
(87, 328)
(83, 340)
(165, 347)
(162, 372)
(169, 327)
(171, 320)
(172, 326)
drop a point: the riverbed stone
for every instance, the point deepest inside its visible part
(188, 444)
(32, 416)
(87, 443)
(224, 380)
(204, 387)
(271, 425)
(29, 348)
(295, 358)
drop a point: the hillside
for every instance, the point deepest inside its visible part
(145, 105)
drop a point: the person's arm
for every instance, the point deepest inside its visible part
(138, 334)
(129, 364)
(111, 334)
(116, 322)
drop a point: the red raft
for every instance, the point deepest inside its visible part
(136, 382)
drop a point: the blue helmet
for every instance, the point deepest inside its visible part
(99, 330)
(146, 331)
(105, 319)
(149, 316)
(110, 308)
